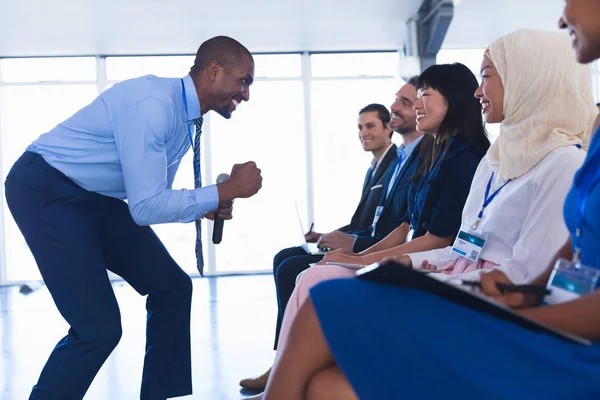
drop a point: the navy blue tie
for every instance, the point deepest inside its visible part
(197, 184)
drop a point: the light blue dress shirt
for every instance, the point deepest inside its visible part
(404, 153)
(128, 144)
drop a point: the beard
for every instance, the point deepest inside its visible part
(224, 112)
(404, 129)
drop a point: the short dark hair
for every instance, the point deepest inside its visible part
(226, 51)
(458, 85)
(382, 113)
(413, 80)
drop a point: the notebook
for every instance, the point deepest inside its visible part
(399, 275)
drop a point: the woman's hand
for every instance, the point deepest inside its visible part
(489, 281)
(429, 267)
(402, 260)
(342, 256)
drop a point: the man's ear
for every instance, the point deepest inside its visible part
(213, 70)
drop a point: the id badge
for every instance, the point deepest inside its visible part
(570, 280)
(410, 234)
(469, 243)
(378, 212)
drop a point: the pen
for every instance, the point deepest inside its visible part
(312, 225)
(503, 287)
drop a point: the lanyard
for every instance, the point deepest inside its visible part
(590, 176)
(393, 176)
(488, 199)
(189, 126)
(436, 166)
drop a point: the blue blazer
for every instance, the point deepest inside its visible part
(371, 193)
(435, 202)
(394, 208)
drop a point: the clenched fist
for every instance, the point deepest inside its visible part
(245, 181)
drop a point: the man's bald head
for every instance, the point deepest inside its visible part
(226, 51)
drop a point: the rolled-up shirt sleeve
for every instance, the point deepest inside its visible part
(140, 133)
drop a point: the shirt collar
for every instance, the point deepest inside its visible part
(375, 162)
(406, 151)
(193, 103)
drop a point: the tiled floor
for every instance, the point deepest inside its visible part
(232, 334)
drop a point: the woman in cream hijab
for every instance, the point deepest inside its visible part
(543, 99)
(379, 334)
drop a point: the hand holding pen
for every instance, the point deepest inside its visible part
(312, 237)
(507, 288)
(496, 285)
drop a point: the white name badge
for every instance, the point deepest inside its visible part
(570, 280)
(469, 244)
(378, 212)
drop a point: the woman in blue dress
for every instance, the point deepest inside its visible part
(359, 339)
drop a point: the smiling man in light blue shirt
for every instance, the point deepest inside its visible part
(67, 193)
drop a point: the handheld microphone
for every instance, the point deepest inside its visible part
(218, 222)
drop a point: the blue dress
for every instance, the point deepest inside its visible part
(399, 343)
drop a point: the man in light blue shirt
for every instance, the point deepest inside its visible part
(66, 194)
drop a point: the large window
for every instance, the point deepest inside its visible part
(297, 100)
(268, 130)
(60, 69)
(343, 84)
(30, 107)
(339, 161)
(121, 68)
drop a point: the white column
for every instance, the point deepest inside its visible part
(306, 81)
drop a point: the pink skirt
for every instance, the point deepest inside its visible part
(320, 273)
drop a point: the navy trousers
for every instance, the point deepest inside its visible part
(75, 237)
(287, 265)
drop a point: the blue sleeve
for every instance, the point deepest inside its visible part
(140, 134)
(364, 242)
(446, 214)
(171, 171)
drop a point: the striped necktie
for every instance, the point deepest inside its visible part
(197, 184)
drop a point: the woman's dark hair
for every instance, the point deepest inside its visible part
(458, 85)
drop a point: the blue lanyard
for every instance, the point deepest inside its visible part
(590, 176)
(398, 167)
(393, 176)
(436, 166)
(488, 199)
(189, 126)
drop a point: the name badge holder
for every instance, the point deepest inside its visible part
(570, 279)
(470, 241)
(378, 212)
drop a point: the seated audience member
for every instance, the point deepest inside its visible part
(359, 339)
(528, 171)
(288, 263)
(446, 110)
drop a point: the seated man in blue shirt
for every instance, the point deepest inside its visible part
(67, 193)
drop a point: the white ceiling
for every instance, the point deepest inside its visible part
(477, 23)
(76, 27)
(47, 27)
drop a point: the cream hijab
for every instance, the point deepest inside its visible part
(548, 101)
